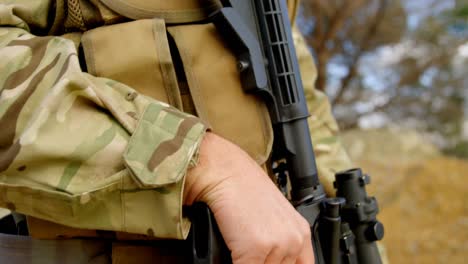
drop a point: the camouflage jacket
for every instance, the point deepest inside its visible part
(71, 143)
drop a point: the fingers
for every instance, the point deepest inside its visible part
(286, 253)
(289, 260)
(294, 243)
(286, 243)
(307, 254)
(257, 222)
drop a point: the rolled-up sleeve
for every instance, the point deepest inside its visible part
(84, 151)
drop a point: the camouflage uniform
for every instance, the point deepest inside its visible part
(330, 155)
(93, 153)
(72, 143)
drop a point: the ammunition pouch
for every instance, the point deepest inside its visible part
(138, 54)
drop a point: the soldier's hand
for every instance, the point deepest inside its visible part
(258, 224)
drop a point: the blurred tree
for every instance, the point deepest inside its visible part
(344, 31)
(383, 59)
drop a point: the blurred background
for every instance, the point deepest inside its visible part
(396, 73)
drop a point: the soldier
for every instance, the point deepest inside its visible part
(89, 140)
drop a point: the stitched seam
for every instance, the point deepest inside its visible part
(165, 63)
(158, 61)
(193, 82)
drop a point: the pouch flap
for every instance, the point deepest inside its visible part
(136, 54)
(216, 90)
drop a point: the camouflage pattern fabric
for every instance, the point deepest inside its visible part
(92, 153)
(330, 155)
(84, 151)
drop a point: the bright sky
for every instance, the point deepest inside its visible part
(463, 50)
(419, 9)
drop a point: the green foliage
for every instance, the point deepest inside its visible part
(402, 56)
(460, 150)
(461, 12)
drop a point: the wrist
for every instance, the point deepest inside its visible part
(201, 178)
(220, 165)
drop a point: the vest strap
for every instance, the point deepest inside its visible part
(173, 11)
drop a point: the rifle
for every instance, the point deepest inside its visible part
(344, 229)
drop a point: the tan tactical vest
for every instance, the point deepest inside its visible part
(157, 48)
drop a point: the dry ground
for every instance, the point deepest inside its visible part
(426, 217)
(423, 201)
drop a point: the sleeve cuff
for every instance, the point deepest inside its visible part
(162, 146)
(161, 149)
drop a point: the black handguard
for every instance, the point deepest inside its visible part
(259, 34)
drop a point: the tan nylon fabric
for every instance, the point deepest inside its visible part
(82, 15)
(217, 93)
(136, 54)
(172, 11)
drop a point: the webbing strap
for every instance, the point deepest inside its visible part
(22, 249)
(173, 11)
